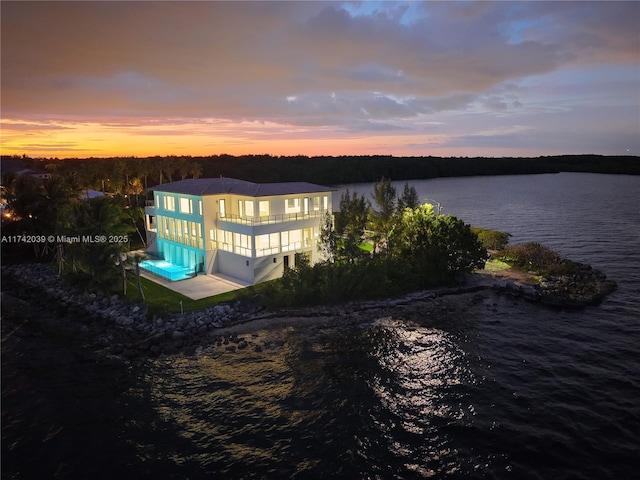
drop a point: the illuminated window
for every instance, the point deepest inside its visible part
(291, 240)
(200, 207)
(245, 208)
(248, 208)
(242, 244)
(316, 204)
(223, 213)
(292, 205)
(194, 233)
(267, 244)
(179, 228)
(186, 205)
(263, 207)
(172, 229)
(225, 240)
(325, 203)
(169, 203)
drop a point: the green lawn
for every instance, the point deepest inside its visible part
(494, 265)
(366, 247)
(160, 299)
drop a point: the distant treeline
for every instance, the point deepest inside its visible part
(365, 169)
(321, 169)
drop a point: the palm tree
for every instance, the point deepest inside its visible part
(104, 220)
(137, 258)
(184, 167)
(195, 170)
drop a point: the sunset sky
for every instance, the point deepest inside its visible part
(454, 78)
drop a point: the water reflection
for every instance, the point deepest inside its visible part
(383, 400)
(422, 384)
(425, 364)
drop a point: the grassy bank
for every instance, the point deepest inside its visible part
(160, 299)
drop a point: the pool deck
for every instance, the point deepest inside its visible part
(201, 286)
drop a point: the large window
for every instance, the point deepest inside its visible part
(267, 244)
(186, 205)
(225, 240)
(169, 203)
(180, 231)
(223, 212)
(172, 229)
(292, 205)
(263, 207)
(232, 242)
(291, 240)
(245, 208)
(163, 226)
(242, 244)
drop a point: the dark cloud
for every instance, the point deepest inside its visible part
(350, 65)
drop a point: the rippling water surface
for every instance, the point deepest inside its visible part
(493, 388)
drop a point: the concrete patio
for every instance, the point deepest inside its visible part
(201, 286)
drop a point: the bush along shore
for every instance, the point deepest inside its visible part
(556, 281)
(584, 287)
(122, 328)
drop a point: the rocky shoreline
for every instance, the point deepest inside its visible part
(122, 328)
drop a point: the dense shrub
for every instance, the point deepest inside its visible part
(532, 256)
(426, 250)
(334, 283)
(491, 239)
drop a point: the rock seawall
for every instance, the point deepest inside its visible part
(584, 287)
(123, 328)
(119, 326)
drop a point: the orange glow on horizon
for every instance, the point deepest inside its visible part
(56, 139)
(81, 140)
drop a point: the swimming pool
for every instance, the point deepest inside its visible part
(167, 270)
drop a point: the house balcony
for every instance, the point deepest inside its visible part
(272, 219)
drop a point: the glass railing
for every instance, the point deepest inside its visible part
(270, 219)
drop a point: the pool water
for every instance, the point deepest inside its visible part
(167, 270)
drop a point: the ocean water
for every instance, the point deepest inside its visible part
(491, 387)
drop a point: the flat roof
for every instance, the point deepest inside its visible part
(222, 185)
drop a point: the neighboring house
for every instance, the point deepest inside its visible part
(241, 229)
(38, 174)
(91, 194)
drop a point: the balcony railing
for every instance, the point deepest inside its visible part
(266, 220)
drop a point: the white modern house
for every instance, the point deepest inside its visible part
(240, 229)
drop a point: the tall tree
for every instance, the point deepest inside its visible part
(137, 258)
(327, 244)
(195, 170)
(436, 247)
(350, 225)
(183, 165)
(105, 221)
(408, 199)
(384, 196)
